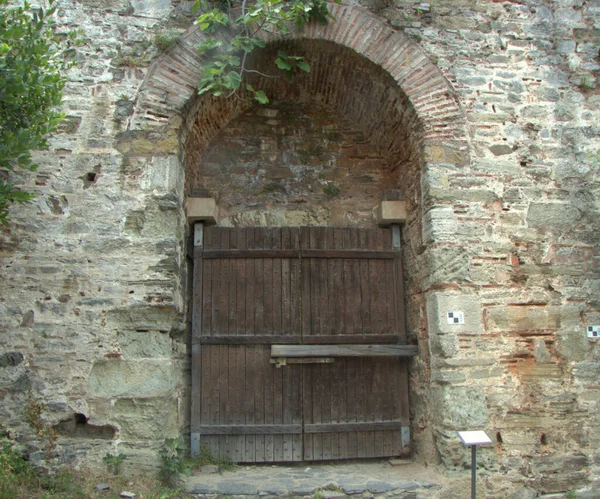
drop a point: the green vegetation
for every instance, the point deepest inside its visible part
(31, 84)
(113, 462)
(226, 65)
(166, 40)
(205, 457)
(33, 416)
(331, 190)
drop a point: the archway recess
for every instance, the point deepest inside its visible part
(369, 74)
(173, 78)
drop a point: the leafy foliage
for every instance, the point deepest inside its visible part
(223, 72)
(31, 84)
(33, 416)
(113, 462)
(174, 461)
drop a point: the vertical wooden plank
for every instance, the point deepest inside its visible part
(388, 284)
(223, 388)
(324, 315)
(351, 398)
(277, 284)
(338, 284)
(380, 386)
(305, 273)
(223, 289)
(327, 438)
(269, 417)
(240, 286)
(297, 385)
(238, 399)
(268, 289)
(196, 333)
(233, 266)
(295, 286)
(259, 401)
(287, 408)
(277, 375)
(361, 393)
(259, 279)
(369, 414)
(307, 412)
(365, 288)
(250, 381)
(399, 305)
(286, 305)
(331, 326)
(214, 395)
(207, 282)
(205, 386)
(347, 286)
(250, 286)
(336, 400)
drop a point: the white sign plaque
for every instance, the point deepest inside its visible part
(478, 437)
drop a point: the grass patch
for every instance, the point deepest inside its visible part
(18, 480)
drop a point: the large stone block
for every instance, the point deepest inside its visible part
(145, 318)
(135, 344)
(162, 174)
(459, 407)
(439, 224)
(439, 304)
(146, 418)
(552, 215)
(531, 317)
(116, 378)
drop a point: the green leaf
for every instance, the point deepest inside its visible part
(261, 97)
(282, 64)
(235, 79)
(303, 65)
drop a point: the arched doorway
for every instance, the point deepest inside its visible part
(368, 75)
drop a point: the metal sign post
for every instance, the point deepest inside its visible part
(473, 439)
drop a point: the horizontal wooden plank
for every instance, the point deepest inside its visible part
(368, 254)
(363, 426)
(247, 340)
(294, 253)
(349, 338)
(343, 350)
(249, 429)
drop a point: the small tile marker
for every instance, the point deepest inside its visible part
(473, 439)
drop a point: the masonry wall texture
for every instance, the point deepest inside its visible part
(485, 115)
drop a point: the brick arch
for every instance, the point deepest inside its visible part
(173, 78)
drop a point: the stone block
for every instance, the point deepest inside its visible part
(573, 345)
(116, 378)
(146, 418)
(531, 317)
(162, 174)
(391, 212)
(439, 304)
(439, 223)
(144, 317)
(202, 210)
(458, 407)
(136, 344)
(552, 215)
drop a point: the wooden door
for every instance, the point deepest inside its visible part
(259, 287)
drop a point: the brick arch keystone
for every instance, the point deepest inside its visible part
(173, 78)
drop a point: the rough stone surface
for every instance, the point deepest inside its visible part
(484, 114)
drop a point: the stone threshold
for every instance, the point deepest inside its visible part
(321, 482)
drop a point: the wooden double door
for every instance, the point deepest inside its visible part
(298, 344)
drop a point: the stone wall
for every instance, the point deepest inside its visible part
(485, 114)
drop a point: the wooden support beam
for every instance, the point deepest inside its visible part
(343, 350)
